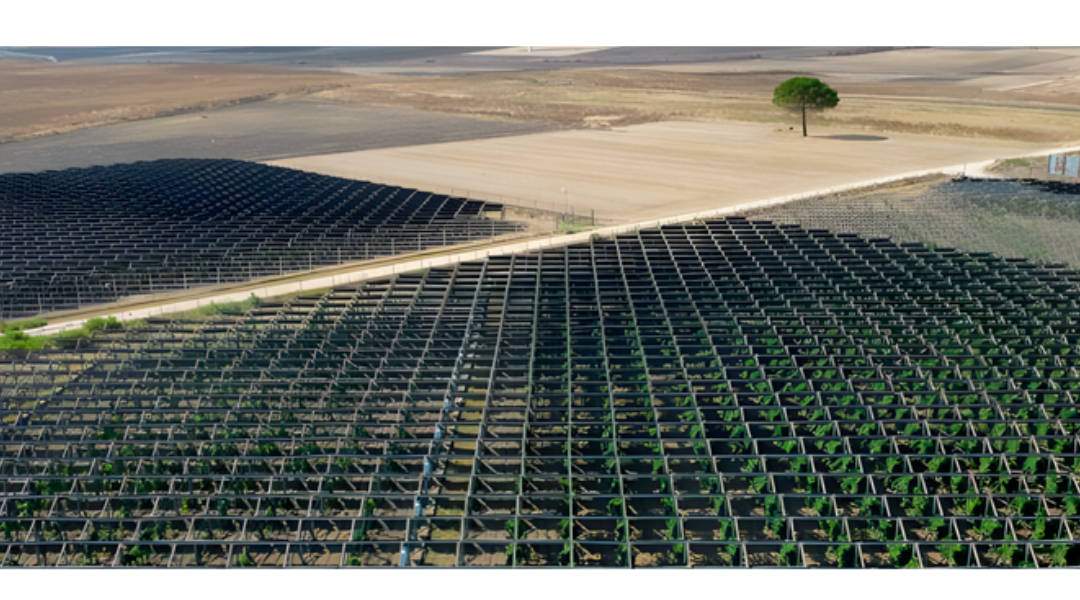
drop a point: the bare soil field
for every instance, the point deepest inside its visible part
(1014, 95)
(1035, 74)
(1019, 94)
(254, 131)
(291, 56)
(640, 172)
(904, 101)
(420, 59)
(40, 98)
(540, 51)
(546, 58)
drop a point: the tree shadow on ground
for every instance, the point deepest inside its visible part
(853, 137)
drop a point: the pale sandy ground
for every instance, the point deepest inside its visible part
(653, 170)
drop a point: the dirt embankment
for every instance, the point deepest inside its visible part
(38, 99)
(1032, 167)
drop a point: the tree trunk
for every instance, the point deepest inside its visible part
(804, 120)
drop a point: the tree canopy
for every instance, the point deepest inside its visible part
(805, 93)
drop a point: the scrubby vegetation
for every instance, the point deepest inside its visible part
(22, 324)
(15, 338)
(221, 308)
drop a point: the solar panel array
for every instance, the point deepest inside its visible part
(729, 393)
(84, 236)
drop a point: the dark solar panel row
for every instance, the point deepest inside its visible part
(83, 236)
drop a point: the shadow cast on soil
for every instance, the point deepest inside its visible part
(853, 137)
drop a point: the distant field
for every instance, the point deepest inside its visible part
(87, 109)
(1013, 94)
(647, 171)
(40, 98)
(1035, 74)
(540, 51)
(254, 131)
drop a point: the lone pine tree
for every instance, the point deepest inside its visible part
(805, 93)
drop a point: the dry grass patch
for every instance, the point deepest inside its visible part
(602, 98)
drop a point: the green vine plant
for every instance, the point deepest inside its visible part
(903, 556)
(951, 553)
(789, 555)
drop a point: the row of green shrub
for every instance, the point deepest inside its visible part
(220, 308)
(34, 323)
(15, 337)
(13, 334)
